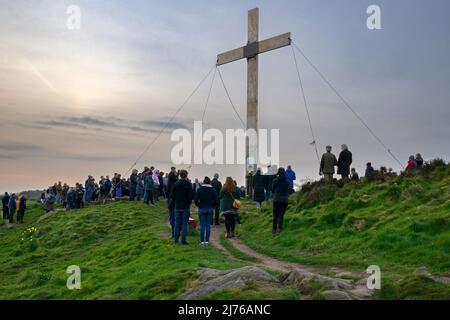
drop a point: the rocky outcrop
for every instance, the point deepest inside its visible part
(310, 285)
(424, 272)
(215, 280)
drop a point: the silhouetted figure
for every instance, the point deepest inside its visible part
(344, 162)
(327, 164)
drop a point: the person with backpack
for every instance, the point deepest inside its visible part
(182, 196)
(280, 190)
(21, 210)
(206, 199)
(217, 185)
(229, 205)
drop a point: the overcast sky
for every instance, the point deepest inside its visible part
(88, 101)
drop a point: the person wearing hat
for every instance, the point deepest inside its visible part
(217, 186)
(327, 164)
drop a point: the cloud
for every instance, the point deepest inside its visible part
(111, 123)
(18, 147)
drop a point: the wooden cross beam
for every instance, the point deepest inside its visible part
(251, 51)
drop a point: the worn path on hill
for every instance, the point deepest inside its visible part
(359, 291)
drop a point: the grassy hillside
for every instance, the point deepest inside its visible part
(398, 223)
(123, 251)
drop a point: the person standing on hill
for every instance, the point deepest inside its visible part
(12, 205)
(290, 175)
(171, 179)
(206, 199)
(412, 165)
(195, 186)
(354, 176)
(258, 188)
(90, 187)
(133, 184)
(229, 193)
(139, 187)
(161, 184)
(280, 190)
(149, 185)
(155, 177)
(107, 185)
(182, 196)
(217, 185)
(327, 164)
(419, 161)
(5, 209)
(21, 210)
(344, 162)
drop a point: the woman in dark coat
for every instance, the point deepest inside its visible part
(258, 188)
(344, 162)
(228, 194)
(280, 190)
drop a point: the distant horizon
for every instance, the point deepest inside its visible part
(85, 102)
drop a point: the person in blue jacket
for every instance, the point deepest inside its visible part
(206, 199)
(290, 175)
(12, 205)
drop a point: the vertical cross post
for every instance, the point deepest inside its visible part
(252, 91)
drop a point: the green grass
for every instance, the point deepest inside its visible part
(123, 250)
(399, 223)
(235, 252)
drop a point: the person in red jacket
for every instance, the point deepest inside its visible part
(412, 165)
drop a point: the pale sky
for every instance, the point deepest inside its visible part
(88, 101)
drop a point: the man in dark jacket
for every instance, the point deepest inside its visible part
(344, 162)
(133, 184)
(258, 188)
(327, 164)
(280, 190)
(182, 195)
(172, 179)
(5, 201)
(217, 185)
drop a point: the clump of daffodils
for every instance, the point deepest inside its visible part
(29, 233)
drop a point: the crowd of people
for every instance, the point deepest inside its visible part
(12, 204)
(212, 199)
(343, 163)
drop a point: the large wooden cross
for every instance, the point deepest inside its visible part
(251, 51)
